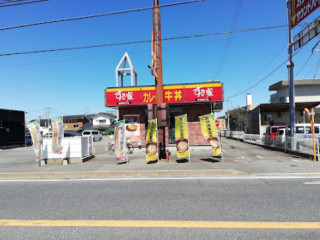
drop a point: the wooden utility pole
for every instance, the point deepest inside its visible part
(157, 73)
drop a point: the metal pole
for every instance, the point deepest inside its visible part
(313, 136)
(158, 76)
(290, 67)
(228, 113)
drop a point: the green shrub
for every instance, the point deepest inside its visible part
(108, 132)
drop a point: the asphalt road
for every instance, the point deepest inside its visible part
(233, 202)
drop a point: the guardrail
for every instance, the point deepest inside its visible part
(297, 144)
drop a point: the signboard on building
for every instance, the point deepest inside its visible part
(300, 9)
(307, 34)
(186, 93)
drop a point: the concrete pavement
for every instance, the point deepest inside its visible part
(239, 159)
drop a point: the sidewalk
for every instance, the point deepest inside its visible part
(239, 159)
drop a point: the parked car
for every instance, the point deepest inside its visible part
(97, 135)
(28, 140)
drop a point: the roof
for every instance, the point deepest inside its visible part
(109, 115)
(284, 107)
(74, 117)
(300, 82)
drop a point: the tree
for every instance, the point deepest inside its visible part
(238, 118)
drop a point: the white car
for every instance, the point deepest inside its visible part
(96, 135)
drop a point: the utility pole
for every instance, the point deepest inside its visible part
(290, 67)
(157, 73)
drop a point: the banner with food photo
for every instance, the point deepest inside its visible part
(57, 134)
(220, 124)
(152, 141)
(181, 136)
(209, 132)
(34, 129)
(132, 132)
(120, 142)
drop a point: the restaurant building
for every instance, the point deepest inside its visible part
(135, 104)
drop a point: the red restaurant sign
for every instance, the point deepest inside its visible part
(300, 9)
(202, 92)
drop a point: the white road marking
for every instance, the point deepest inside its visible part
(259, 157)
(311, 183)
(173, 178)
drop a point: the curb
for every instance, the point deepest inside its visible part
(119, 174)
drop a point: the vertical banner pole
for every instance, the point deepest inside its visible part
(188, 137)
(221, 147)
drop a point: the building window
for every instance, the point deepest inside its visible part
(103, 121)
(282, 99)
(268, 117)
(75, 125)
(132, 118)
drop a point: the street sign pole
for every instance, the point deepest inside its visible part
(290, 67)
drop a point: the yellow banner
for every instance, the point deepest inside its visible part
(152, 141)
(181, 136)
(209, 132)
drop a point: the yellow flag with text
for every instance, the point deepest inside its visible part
(181, 136)
(209, 132)
(152, 141)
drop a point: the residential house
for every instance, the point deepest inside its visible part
(73, 123)
(102, 121)
(307, 95)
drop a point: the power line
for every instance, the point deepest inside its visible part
(11, 1)
(137, 42)
(228, 43)
(303, 66)
(97, 15)
(110, 54)
(315, 74)
(22, 3)
(266, 66)
(264, 78)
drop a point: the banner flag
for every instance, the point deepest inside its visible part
(34, 129)
(152, 141)
(209, 132)
(120, 141)
(57, 134)
(181, 136)
(220, 124)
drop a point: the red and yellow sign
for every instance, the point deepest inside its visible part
(201, 92)
(300, 9)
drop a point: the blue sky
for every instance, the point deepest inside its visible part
(73, 82)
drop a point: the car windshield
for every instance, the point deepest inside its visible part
(95, 132)
(274, 130)
(86, 133)
(299, 129)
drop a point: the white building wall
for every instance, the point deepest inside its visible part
(96, 121)
(302, 94)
